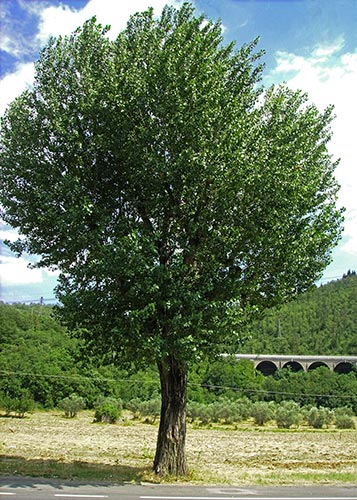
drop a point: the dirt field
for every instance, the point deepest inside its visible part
(47, 444)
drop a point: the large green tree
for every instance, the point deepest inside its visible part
(175, 197)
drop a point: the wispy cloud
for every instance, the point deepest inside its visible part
(325, 51)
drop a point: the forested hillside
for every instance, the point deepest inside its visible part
(322, 321)
(39, 358)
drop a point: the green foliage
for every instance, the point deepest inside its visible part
(134, 405)
(36, 354)
(345, 422)
(141, 384)
(321, 321)
(19, 405)
(149, 409)
(222, 410)
(319, 417)
(231, 378)
(159, 153)
(343, 410)
(320, 387)
(344, 418)
(262, 412)
(107, 412)
(72, 405)
(287, 414)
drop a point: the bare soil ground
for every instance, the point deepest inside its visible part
(47, 444)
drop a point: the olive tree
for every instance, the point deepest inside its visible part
(174, 195)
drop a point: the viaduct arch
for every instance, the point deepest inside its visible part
(268, 364)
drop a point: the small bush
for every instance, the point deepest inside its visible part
(287, 414)
(134, 405)
(345, 422)
(107, 413)
(151, 409)
(19, 405)
(243, 407)
(206, 414)
(72, 405)
(101, 401)
(318, 417)
(343, 410)
(262, 412)
(227, 411)
(193, 410)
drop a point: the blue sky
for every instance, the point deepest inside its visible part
(309, 44)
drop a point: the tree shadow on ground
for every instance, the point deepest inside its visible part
(83, 472)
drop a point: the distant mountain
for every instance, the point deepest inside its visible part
(323, 321)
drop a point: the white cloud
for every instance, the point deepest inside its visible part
(13, 84)
(350, 233)
(63, 20)
(10, 45)
(15, 271)
(330, 77)
(8, 233)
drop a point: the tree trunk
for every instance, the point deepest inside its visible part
(170, 451)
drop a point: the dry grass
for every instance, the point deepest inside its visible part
(46, 444)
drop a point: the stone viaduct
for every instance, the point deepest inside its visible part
(268, 364)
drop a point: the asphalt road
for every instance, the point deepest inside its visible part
(42, 489)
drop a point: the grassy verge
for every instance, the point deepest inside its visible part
(45, 444)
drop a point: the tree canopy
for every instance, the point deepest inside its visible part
(175, 196)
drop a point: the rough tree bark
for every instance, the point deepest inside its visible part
(170, 451)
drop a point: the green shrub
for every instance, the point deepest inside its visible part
(288, 413)
(343, 410)
(101, 401)
(262, 412)
(206, 414)
(318, 417)
(243, 406)
(72, 405)
(345, 422)
(151, 409)
(107, 413)
(19, 405)
(134, 405)
(228, 411)
(193, 410)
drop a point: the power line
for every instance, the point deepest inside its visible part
(190, 384)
